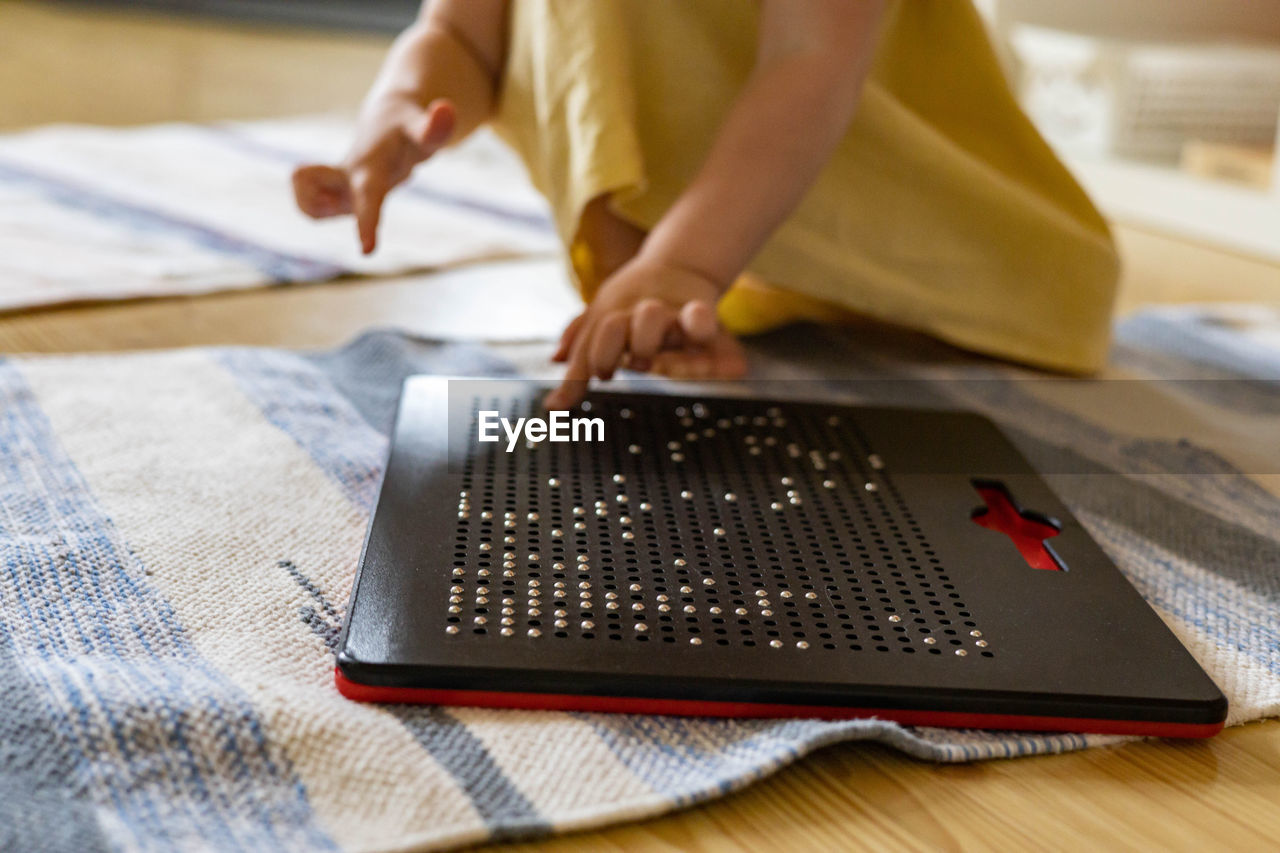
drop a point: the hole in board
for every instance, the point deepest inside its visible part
(1026, 528)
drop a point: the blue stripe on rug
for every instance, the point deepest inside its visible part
(231, 136)
(298, 398)
(277, 266)
(127, 696)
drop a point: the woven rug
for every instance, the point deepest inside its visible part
(90, 213)
(179, 530)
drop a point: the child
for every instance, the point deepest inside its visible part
(723, 166)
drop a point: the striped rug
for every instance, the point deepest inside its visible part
(91, 213)
(178, 533)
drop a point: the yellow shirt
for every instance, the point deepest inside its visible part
(941, 210)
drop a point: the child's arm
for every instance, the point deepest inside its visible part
(438, 82)
(812, 58)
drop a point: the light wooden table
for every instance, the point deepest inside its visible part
(1220, 794)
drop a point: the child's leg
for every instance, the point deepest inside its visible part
(610, 241)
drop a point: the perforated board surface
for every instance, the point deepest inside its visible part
(749, 557)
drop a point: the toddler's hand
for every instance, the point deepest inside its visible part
(394, 135)
(644, 310)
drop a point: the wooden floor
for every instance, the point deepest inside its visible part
(1219, 794)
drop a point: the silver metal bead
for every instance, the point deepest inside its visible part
(506, 632)
(640, 627)
(582, 558)
(718, 531)
(610, 596)
(624, 519)
(708, 581)
(760, 593)
(533, 516)
(982, 644)
(677, 457)
(452, 629)
(455, 599)
(929, 641)
(508, 611)
(482, 600)
(689, 608)
(714, 611)
(812, 596)
(453, 608)
(673, 445)
(587, 624)
(534, 632)
(560, 623)
(646, 506)
(584, 585)
(619, 478)
(961, 653)
(553, 482)
(870, 487)
(534, 583)
(766, 612)
(787, 481)
(663, 597)
(535, 612)
(695, 641)
(895, 618)
(634, 450)
(507, 620)
(777, 507)
(686, 494)
(579, 525)
(775, 644)
(975, 633)
(485, 546)
(730, 497)
(801, 644)
(622, 499)
(483, 573)
(577, 510)
(741, 611)
(664, 608)
(508, 540)
(828, 484)
(486, 515)
(686, 590)
(637, 606)
(875, 462)
(480, 620)
(457, 573)
(679, 562)
(786, 593)
(635, 587)
(611, 605)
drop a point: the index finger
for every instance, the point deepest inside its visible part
(577, 375)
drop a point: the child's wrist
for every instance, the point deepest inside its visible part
(658, 253)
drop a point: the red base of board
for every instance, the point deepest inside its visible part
(698, 708)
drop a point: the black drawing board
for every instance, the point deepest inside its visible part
(747, 557)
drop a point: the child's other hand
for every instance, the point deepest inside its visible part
(647, 313)
(394, 135)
